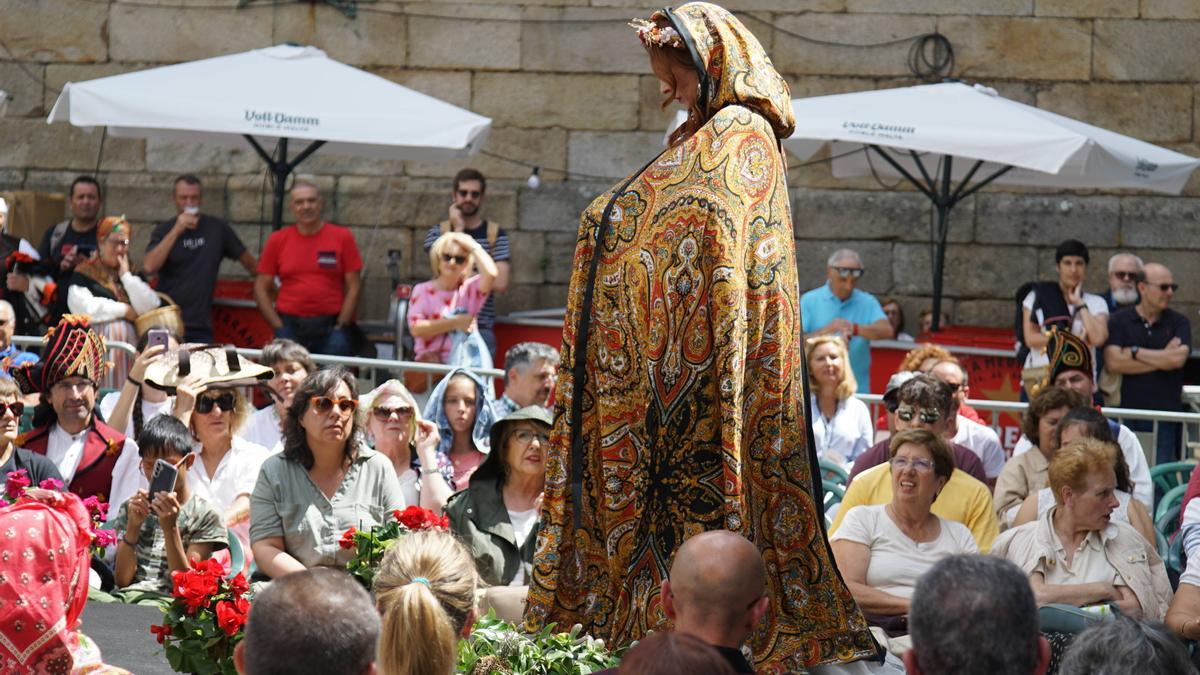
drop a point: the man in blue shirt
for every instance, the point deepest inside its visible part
(840, 308)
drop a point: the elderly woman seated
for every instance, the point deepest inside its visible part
(1077, 553)
(1025, 474)
(1089, 423)
(882, 549)
(396, 430)
(498, 514)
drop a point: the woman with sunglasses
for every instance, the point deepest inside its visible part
(463, 275)
(325, 481)
(881, 550)
(37, 467)
(398, 432)
(228, 465)
(497, 515)
(841, 423)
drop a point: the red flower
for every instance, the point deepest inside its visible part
(51, 484)
(238, 585)
(195, 587)
(417, 518)
(161, 632)
(104, 538)
(231, 615)
(347, 541)
(17, 482)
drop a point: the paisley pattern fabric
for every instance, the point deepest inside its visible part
(690, 412)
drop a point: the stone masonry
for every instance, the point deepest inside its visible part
(569, 89)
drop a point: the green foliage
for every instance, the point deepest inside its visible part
(496, 646)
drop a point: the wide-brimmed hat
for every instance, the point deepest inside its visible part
(213, 364)
(535, 413)
(71, 349)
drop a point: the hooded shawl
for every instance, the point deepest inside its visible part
(485, 417)
(680, 405)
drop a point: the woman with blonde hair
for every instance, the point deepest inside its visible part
(425, 590)
(394, 424)
(463, 275)
(841, 422)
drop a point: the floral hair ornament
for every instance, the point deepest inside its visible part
(652, 34)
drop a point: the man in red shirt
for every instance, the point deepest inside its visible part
(317, 264)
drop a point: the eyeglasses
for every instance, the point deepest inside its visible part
(525, 437)
(849, 272)
(225, 402)
(1126, 276)
(473, 194)
(384, 414)
(907, 413)
(72, 385)
(1165, 287)
(456, 259)
(324, 404)
(920, 465)
(17, 408)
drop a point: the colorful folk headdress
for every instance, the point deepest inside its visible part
(71, 349)
(1068, 352)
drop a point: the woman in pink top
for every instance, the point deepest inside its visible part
(450, 300)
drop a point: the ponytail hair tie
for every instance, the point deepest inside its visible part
(420, 580)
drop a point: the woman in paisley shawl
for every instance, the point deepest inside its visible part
(104, 288)
(682, 409)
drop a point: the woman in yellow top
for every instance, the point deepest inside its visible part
(680, 407)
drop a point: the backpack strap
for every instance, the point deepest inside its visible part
(493, 233)
(58, 234)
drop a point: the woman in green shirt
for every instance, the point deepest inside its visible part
(324, 482)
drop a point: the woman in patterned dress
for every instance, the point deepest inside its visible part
(682, 406)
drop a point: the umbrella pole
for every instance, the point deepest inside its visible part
(280, 168)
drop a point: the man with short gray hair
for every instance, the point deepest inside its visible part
(10, 355)
(839, 308)
(530, 369)
(316, 622)
(975, 614)
(1123, 271)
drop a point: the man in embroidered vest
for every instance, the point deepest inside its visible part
(93, 458)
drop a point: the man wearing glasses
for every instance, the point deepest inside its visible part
(467, 195)
(839, 308)
(1149, 344)
(318, 265)
(1123, 272)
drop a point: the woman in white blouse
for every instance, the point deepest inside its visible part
(882, 549)
(841, 423)
(397, 431)
(104, 288)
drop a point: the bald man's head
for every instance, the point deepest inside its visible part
(716, 577)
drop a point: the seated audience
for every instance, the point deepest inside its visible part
(1123, 646)
(1025, 474)
(322, 484)
(926, 319)
(315, 622)
(425, 589)
(43, 593)
(460, 408)
(104, 288)
(463, 274)
(922, 359)
(160, 535)
(409, 442)
(1082, 423)
(674, 653)
(960, 429)
(1071, 368)
(974, 614)
(895, 316)
(917, 401)
(1077, 554)
(506, 490)
(529, 372)
(291, 363)
(11, 355)
(136, 401)
(12, 458)
(882, 549)
(841, 423)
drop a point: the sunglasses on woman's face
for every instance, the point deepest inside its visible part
(456, 259)
(324, 404)
(384, 414)
(205, 404)
(17, 408)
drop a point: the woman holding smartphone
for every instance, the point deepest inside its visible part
(463, 275)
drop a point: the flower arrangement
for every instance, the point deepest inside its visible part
(653, 35)
(369, 546)
(496, 646)
(205, 620)
(19, 481)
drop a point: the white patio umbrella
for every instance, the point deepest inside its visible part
(283, 92)
(941, 137)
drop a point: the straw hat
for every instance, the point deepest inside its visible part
(214, 364)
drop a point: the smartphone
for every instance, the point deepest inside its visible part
(163, 478)
(157, 336)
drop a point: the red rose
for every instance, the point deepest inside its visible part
(412, 517)
(232, 614)
(347, 541)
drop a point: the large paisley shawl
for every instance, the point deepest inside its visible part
(693, 414)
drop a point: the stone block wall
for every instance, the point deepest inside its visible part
(569, 90)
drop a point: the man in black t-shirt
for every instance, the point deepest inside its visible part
(1149, 344)
(74, 240)
(186, 253)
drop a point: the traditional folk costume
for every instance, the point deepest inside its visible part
(106, 466)
(683, 409)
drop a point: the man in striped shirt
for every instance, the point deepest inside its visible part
(464, 215)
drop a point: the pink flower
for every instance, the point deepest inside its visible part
(105, 538)
(51, 484)
(17, 482)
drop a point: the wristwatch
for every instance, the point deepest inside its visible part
(1133, 352)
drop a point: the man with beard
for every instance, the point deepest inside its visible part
(530, 369)
(468, 194)
(1123, 271)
